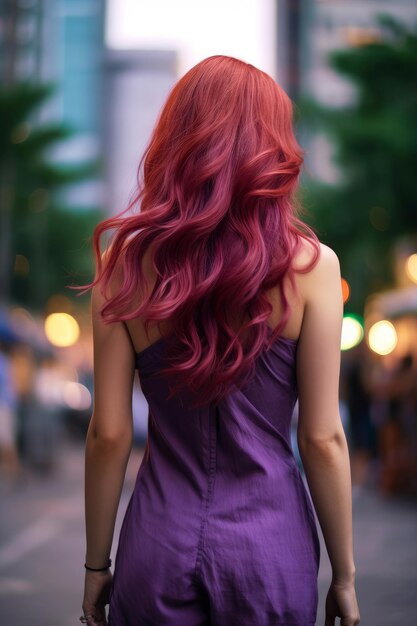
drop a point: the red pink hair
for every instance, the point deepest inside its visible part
(216, 210)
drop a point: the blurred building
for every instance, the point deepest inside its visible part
(79, 100)
(322, 26)
(137, 83)
(145, 55)
(60, 41)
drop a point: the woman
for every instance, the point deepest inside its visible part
(229, 308)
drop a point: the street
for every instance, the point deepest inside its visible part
(42, 549)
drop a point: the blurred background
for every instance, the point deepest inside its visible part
(82, 82)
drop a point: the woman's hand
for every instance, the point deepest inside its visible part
(96, 596)
(341, 602)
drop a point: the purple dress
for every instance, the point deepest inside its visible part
(220, 528)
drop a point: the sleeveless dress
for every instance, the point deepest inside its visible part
(219, 529)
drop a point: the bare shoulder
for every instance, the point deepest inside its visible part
(328, 263)
(329, 254)
(311, 278)
(326, 259)
(305, 255)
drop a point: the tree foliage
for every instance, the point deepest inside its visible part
(375, 148)
(45, 241)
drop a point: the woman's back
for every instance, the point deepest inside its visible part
(296, 299)
(219, 515)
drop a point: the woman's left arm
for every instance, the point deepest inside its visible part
(108, 444)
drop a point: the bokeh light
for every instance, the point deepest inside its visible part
(21, 265)
(23, 322)
(411, 267)
(345, 290)
(61, 329)
(382, 337)
(20, 133)
(352, 332)
(58, 302)
(76, 396)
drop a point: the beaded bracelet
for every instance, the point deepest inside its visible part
(98, 569)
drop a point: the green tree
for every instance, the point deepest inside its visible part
(375, 147)
(42, 243)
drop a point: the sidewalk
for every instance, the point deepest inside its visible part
(385, 548)
(42, 549)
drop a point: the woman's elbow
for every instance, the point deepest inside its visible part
(110, 437)
(327, 443)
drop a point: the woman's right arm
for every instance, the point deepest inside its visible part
(320, 436)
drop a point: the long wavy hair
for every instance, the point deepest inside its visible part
(215, 207)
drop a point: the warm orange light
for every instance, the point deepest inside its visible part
(61, 329)
(411, 267)
(345, 290)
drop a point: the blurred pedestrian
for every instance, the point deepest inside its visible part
(362, 432)
(10, 465)
(23, 365)
(229, 308)
(396, 431)
(45, 422)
